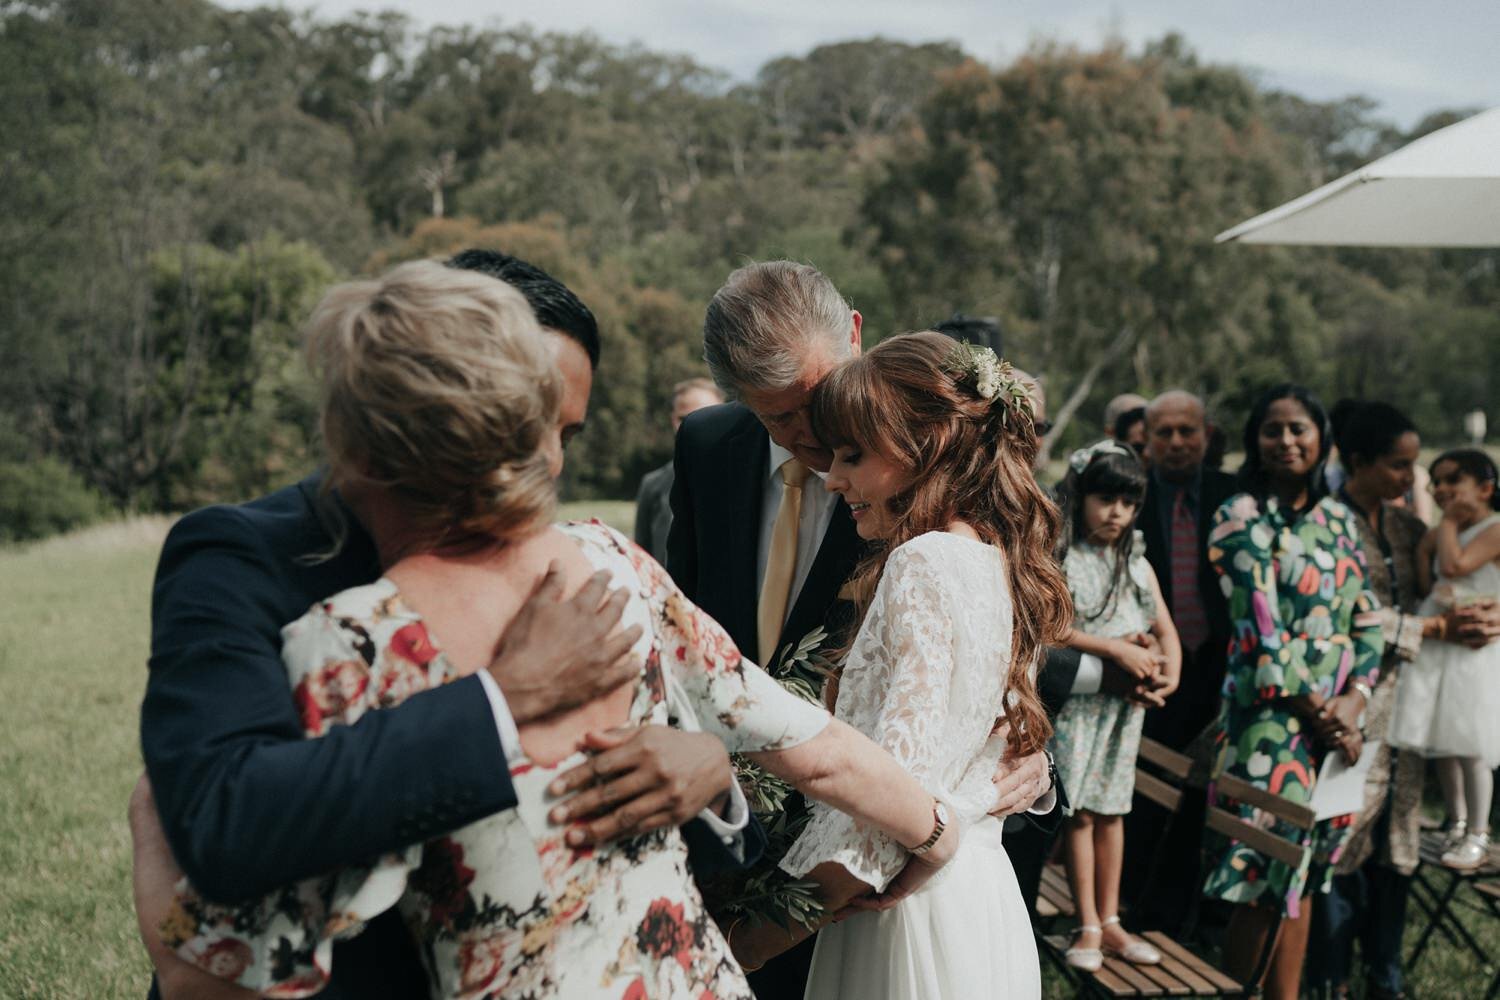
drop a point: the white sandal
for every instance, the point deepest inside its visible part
(1137, 952)
(1086, 959)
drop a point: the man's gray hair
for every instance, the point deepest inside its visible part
(760, 325)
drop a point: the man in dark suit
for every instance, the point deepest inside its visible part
(1181, 497)
(756, 540)
(246, 805)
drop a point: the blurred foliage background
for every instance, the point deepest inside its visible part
(180, 182)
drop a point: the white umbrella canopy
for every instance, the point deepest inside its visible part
(1443, 190)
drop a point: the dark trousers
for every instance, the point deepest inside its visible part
(1163, 872)
(1028, 845)
(1368, 906)
(785, 976)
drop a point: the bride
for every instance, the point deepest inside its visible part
(933, 447)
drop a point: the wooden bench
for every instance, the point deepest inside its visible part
(1158, 780)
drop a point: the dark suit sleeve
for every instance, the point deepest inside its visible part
(1055, 681)
(247, 803)
(682, 545)
(707, 854)
(643, 507)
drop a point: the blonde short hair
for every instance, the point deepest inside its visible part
(438, 387)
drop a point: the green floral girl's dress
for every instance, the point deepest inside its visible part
(1097, 736)
(1294, 587)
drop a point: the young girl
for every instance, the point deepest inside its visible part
(1116, 602)
(1447, 700)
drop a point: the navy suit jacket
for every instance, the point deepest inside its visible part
(247, 803)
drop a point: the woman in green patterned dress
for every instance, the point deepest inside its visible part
(1300, 670)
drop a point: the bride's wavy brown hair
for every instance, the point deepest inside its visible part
(970, 459)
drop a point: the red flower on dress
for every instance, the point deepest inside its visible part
(636, 990)
(654, 682)
(227, 958)
(413, 644)
(444, 879)
(479, 962)
(665, 933)
(328, 692)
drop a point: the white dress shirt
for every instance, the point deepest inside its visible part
(818, 506)
(1090, 676)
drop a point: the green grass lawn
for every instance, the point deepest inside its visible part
(73, 645)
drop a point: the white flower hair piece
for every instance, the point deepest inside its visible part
(1080, 459)
(991, 378)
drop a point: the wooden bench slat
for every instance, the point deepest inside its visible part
(1166, 980)
(1111, 982)
(1490, 889)
(1158, 791)
(1133, 975)
(1120, 978)
(1195, 984)
(1054, 889)
(1267, 843)
(1165, 758)
(1295, 813)
(1220, 982)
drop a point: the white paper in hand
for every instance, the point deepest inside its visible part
(1341, 787)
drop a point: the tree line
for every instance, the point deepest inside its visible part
(179, 182)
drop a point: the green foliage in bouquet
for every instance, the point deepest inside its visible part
(765, 892)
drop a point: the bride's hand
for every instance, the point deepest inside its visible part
(917, 873)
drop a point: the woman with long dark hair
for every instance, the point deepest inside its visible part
(1378, 446)
(1300, 673)
(933, 448)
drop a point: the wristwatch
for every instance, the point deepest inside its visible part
(1368, 695)
(939, 824)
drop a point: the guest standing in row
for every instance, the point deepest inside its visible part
(653, 503)
(1182, 495)
(1449, 698)
(1299, 675)
(1367, 899)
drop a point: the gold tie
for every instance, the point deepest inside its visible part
(781, 560)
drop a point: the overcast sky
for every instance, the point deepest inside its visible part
(1411, 57)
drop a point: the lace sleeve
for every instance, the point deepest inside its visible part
(894, 689)
(281, 945)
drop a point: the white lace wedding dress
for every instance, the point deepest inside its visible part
(925, 678)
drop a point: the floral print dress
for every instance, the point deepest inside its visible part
(1294, 587)
(1097, 736)
(504, 907)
